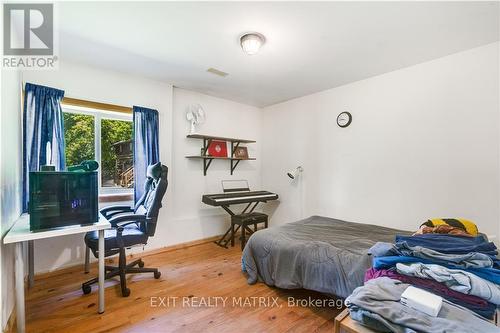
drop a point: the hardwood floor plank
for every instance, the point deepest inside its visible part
(194, 274)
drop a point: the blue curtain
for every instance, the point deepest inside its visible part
(43, 132)
(146, 147)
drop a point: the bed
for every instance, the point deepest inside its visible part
(317, 253)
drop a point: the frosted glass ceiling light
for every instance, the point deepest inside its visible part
(251, 42)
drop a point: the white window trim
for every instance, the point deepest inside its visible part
(98, 116)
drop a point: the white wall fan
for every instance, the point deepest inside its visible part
(196, 116)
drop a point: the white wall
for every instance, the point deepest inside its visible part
(424, 142)
(193, 219)
(100, 85)
(184, 217)
(10, 182)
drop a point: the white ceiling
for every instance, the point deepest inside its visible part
(310, 46)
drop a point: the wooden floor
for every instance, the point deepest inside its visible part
(194, 274)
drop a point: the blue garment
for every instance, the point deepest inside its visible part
(371, 319)
(43, 132)
(451, 244)
(490, 274)
(488, 313)
(383, 249)
(455, 279)
(465, 260)
(382, 298)
(146, 146)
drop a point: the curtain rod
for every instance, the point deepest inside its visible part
(96, 105)
(89, 104)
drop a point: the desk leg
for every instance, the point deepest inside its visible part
(87, 259)
(31, 264)
(19, 267)
(101, 271)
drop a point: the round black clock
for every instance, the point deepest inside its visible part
(344, 119)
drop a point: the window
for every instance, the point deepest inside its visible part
(105, 137)
(116, 153)
(79, 135)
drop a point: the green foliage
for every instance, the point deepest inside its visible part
(79, 138)
(112, 131)
(80, 145)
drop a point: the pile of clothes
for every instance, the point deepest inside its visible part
(447, 257)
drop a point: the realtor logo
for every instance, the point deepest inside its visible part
(28, 35)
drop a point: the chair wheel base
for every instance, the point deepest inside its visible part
(86, 289)
(122, 270)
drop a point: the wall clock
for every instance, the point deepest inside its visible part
(344, 119)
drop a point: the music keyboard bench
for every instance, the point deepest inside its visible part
(243, 221)
(236, 196)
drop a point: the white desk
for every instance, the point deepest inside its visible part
(20, 232)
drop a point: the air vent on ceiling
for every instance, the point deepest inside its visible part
(217, 72)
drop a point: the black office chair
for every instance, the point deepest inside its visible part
(130, 226)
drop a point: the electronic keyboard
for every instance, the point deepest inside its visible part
(233, 198)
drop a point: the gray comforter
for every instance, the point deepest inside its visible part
(317, 253)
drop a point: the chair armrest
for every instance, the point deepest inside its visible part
(123, 220)
(110, 211)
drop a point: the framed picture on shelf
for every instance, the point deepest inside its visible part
(241, 152)
(217, 148)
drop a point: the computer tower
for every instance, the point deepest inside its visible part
(61, 198)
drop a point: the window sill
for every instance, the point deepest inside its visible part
(116, 197)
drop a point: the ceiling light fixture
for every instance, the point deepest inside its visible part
(251, 42)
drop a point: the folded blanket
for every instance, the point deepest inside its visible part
(381, 297)
(443, 229)
(466, 226)
(473, 303)
(466, 260)
(456, 279)
(490, 274)
(450, 244)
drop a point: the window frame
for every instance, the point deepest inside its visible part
(98, 116)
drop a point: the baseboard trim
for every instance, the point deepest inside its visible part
(132, 256)
(11, 323)
(178, 246)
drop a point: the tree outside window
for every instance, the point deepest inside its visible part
(113, 148)
(116, 153)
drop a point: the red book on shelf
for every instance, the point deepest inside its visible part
(217, 148)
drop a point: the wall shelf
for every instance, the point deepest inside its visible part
(207, 160)
(211, 137)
